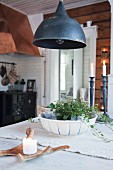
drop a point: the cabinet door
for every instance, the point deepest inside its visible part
(7, 110)
(30, 104)
(1, 108)
(18, 107)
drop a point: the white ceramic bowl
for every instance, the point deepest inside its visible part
(65, 127)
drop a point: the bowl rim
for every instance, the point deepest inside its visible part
(68, 121)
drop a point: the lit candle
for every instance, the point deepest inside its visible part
(92, 70)
(104, 68)
(29, 146)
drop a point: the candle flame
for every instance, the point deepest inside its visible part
(104, 62)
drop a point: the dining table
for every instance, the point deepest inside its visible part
(85, 152)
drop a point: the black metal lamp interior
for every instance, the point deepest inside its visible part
(60, 32)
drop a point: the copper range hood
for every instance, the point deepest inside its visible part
(15, 32)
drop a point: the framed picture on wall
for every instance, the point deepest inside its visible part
(31, 85)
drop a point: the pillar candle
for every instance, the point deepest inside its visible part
(104, 68)
(29, 146)
(92, 70)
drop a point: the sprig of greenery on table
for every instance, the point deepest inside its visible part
(106, 120)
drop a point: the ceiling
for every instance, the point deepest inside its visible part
(31, 7)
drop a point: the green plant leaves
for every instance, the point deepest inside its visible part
(64, 110)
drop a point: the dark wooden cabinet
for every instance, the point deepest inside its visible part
(17, 106)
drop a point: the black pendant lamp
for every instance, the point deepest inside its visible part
(60, 32)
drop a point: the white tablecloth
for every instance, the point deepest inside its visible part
(86, 144)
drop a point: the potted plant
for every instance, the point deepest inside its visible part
(70, 117)
(73, 110)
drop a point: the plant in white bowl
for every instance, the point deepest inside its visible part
(69, 117)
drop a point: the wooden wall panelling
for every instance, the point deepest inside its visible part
(104, 33)
(98, 17)
(98, 94)
(86, 10)
(103, 43)
(98, 63)
(98, 52)
(103, 25)
(89, 10)
(98, 74)
(98, 102)
(98, 84)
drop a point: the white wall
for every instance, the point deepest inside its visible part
(7, 58)
(86, 64)
(110, 76)
(52, 76)
(69, 76)
(28, 67)
(67, 56)
(78, 72)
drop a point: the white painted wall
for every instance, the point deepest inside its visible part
(91, 34)
(86, 64)
(35, 21)
(69, 76)
(52, 76)
(110, 77)
(111, 50)
(67, 56)
(78, 72)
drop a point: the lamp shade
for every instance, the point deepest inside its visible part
(60, 32)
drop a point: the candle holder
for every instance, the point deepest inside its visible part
(104, 108)
(91, 91)
(104, 95)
